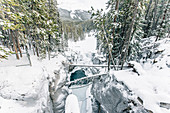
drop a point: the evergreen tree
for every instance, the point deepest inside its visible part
(31, 22)
(122, 26)
(156, 18)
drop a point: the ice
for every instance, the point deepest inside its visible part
(24, 89)
(72, 105)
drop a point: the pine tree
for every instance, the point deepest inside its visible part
(122, 26)
(11, 20)
(155, 13)
(33, 23)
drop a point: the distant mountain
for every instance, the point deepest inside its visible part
(76, 15)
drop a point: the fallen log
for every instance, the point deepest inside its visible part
(165, 105)
(23, 65)
(85, 65)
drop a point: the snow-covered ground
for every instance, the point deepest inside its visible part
(84, 46)
(153, 83)
(152, 87)
(24, 89)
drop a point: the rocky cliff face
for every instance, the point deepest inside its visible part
(112, 96)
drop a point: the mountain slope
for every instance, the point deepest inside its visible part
(76, 15)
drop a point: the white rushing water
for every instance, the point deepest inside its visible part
(86, 46)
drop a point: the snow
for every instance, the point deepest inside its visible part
(10, 106)
(1, 22)
(81, 4)
(2, 53)
(88, 97)
(72, 105)
(84, 46)
(1, 36)
(24, 89)
(138, 67)
(152, 85)
(72, 14)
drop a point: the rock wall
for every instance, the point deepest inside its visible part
(112, 96)
(58, 92)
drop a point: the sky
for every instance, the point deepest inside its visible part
(81, 4)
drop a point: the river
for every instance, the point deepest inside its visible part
(84, 47)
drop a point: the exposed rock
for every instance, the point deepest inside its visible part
(110, 96)
(59, 99)
(94, 70)
(137, 67)
(98, 60)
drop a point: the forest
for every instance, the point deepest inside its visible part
(110, 60)
(121, 28)
(36, 24)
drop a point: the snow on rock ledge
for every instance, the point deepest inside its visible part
(112, 96)
(23, 90)
(137, 67)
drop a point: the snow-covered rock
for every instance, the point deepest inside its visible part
(72, 105)
(137, 67)
(75, 15)
(111, 96)
(152, 86)
(23, 89)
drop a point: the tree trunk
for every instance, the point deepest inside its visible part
(48, 48)
(18, 44)
(10, 39)
(109, 62)
(115, 17)
(14, 45)
(164, 16)
(48, 52)
(109, 49)
(160, 14)
(129, 33)
(8, 45)
(37, 51)
(154, 17)
(33, 50)
(29, 46)
(148, 9)
(146, 33)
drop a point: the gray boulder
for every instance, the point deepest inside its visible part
(109, 97)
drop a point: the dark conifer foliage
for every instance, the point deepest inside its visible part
(32, 23)
(121, 27)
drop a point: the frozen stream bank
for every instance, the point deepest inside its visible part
(27, 89)
(107, 94)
